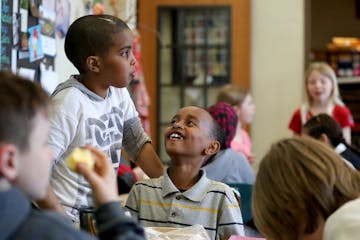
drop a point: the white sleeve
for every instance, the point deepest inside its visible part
(62, 130)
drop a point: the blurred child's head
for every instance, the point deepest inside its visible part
(225, 115)
(193, 133)
(324, 128)
(240, 99)
(321, 84)
(101, 44)
(300, 182)
(25, 157)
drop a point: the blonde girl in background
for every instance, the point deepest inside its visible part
(243, 103)
(322, 96)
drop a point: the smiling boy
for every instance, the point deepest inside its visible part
(184, 196)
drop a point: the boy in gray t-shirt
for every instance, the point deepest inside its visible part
(94, 108)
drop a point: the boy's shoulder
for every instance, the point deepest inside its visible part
(54, 226)
(219, 186)
(150, 183)
(70, 91)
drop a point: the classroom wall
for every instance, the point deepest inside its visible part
(63, 66)
(276, 68)
(126, 10)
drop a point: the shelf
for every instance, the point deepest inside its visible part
(349, 80)
(195, 45)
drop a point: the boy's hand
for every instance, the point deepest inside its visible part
(102, 178)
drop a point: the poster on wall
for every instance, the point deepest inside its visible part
(35, 43)
(6, 34)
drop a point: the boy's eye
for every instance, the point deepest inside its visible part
(191, 123)
(125, 53)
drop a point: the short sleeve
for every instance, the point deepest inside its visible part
(295, 122)
(343, 116)
(132, 203)
(230, 220)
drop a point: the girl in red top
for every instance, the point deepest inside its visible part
(322, 96)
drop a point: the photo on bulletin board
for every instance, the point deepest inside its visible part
(16, 29)
(35, 44)
(62, 20)
(24, 43)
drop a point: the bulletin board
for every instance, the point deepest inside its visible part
(28, 41)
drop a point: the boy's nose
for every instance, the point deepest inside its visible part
(133, 59)
(178, 125)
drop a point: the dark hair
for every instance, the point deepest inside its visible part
(324, 124)
(225, 115)
(21, 100)
(218, 134)
(91, 35)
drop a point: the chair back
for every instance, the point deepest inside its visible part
(245, 191)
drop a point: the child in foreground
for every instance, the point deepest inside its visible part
(184, 196)
(25, 165)
(300, 183)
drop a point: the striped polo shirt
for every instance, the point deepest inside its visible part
(158, 203)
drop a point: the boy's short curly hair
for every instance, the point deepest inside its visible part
(91, 35)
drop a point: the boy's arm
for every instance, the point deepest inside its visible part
(138, 146)
(347, 134)
(149, 161)
(230, 220)
(51, 202)
(132, 202)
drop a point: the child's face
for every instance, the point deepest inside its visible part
(117, 67)
(319, 87)
(188, 133)
(34, 164)
(246, 111)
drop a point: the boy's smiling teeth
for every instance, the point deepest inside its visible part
(175, 136)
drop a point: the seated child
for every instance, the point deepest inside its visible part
(325, 128)
(299, 184)
(243, 103)
(234, 165)
(184, 196)
(25, 165)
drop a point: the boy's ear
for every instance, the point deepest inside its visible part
(93, 63)
(8, 163)
(324, 138)
(213, 148)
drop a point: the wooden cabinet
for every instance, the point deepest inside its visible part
(190, 49)
(350, 93)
